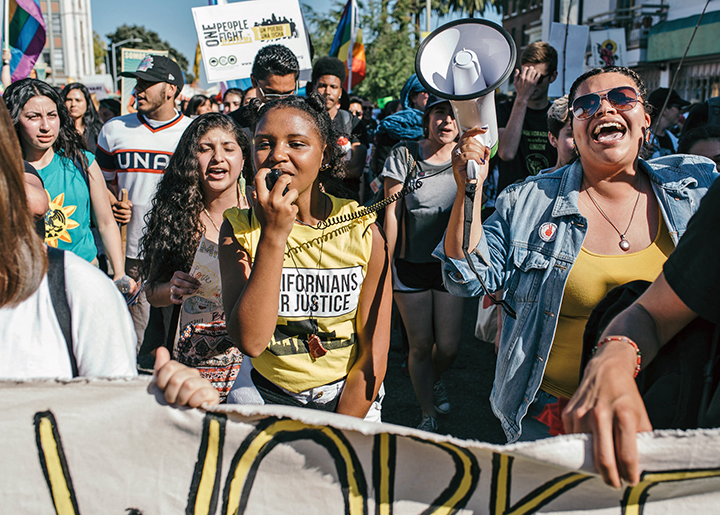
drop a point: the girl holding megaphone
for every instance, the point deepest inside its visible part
(559, 242)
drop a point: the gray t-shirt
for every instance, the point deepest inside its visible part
(426, 210)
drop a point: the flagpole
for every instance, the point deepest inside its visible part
(351, 47)
(6, 24)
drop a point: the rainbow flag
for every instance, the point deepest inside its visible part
(348, 45)
(26, 36)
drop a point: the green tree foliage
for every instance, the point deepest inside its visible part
(150, 40)
(388, 35)
(99, 50)
(473, 7)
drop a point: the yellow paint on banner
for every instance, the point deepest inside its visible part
(355, 498)
(636, 496)
(61, 494)
(383, 495)
(207, 481)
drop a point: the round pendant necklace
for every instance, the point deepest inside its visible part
(624, 243)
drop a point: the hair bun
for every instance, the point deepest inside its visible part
(317, 102)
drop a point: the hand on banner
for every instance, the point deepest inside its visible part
(608, 405)
(182, 385)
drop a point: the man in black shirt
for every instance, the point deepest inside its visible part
(328, 76)
(523, 146)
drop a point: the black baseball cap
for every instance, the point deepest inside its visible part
(157, 68)
(431, 102)
(657, 99)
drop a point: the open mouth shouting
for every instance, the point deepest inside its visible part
(608, 132)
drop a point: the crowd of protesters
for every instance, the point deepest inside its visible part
(588, 195)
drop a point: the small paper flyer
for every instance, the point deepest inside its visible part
(205, 305)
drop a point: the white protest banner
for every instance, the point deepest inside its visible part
(608, 47)
(570, 41)
(230, 35)
(115, 447)
(130, 59)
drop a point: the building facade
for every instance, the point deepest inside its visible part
(656, 37)
(68, 52)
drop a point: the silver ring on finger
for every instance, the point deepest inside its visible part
(172, 290)
(457, 152)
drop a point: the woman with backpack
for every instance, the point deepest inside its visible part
(414, 226)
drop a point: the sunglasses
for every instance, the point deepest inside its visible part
(622, 98)
(276, 96)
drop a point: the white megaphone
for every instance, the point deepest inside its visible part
(464, 61)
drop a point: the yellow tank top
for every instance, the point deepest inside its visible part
(322, 276)
(591, 278)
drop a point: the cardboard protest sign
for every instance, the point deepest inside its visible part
(608, 47)
(231, 34)
(570, 41)
(205, 305)
(114, 447)
(130, 59)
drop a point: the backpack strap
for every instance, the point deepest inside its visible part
(58, 295)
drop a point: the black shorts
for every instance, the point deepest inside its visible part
(417, 277)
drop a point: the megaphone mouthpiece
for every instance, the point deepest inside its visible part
(466, 73)
(464, 61)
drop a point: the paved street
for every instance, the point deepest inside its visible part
(468, 384)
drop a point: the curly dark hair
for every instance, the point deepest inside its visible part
(642, 91)
(275, 60)
(173, 223)
(69, 142)
(91, 118)
(328, 66)
(315, 110)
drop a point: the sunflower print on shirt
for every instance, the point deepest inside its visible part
(58, 221)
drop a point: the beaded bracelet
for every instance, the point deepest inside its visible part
(622, 339)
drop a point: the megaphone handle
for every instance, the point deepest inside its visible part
(472, 169)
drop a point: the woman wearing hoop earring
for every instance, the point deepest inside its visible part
(559, 242)
(307, 299)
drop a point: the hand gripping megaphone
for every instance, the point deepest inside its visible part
(464, 61)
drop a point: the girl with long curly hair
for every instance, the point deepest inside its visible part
(307, 298)
(73, 180)
(82, 110)
(201, 181)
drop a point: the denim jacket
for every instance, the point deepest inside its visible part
(528, 247)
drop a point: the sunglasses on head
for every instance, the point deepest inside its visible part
(622, 98)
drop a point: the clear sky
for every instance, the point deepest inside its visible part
(173, 21)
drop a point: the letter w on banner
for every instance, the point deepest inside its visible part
(348, 45)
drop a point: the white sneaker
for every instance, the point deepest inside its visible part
(429, 424)
(442, 403)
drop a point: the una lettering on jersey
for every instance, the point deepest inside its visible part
(319, 293)
(142, 160)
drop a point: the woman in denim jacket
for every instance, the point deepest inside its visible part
(559, 242)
